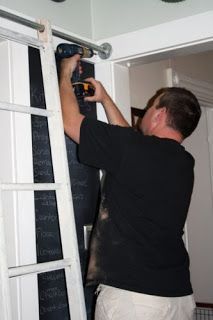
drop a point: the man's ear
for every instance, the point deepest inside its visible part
(160, 115)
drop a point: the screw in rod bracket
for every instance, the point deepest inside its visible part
(107, 51)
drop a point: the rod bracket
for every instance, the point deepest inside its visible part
(107, 51)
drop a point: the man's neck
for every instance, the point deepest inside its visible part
(169, 133)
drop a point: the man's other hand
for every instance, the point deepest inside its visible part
(100, 94)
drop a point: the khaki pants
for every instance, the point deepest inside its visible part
(117, 304)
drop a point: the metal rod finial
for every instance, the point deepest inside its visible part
(106, 52)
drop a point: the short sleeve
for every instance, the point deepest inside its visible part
(101, 145)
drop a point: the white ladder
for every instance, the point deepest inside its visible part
(70, 262)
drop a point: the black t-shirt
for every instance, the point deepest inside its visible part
(137, 242)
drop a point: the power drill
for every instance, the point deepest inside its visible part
(65, 50)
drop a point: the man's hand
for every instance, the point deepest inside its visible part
(113, 114)
(68, 65)
(100, 93)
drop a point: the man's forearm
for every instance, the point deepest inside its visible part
(68, 102)
(113, 114)
(70, 109)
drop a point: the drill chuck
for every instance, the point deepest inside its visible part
(66, 50)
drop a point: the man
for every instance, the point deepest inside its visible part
(138, 256)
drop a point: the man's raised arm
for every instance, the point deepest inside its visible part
(72, 118)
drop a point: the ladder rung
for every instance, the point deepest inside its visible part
(29, 186)
(25, 109)
(39, 268)
(21, 38)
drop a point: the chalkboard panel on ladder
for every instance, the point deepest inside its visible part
(53, 303)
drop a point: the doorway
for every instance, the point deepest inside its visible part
(145, 79)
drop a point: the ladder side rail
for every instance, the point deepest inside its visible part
(20, 38)
(61, 171)
(5, 299)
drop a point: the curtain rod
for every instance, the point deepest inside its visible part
(104, 50)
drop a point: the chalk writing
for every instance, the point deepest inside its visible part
(39, 152)
(44, 234)
(46, 218)
(53, 308)
(52, 276)
(48, 252)
(37, 95)
(51, 293)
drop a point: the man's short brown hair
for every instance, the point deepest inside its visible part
(182, 107)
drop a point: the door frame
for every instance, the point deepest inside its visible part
(185, 36)
(188, 35)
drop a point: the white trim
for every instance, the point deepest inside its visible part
(92, 18)
(202, 89)
(121, 89)
(5, 301)
(103, 72)
(163, 38)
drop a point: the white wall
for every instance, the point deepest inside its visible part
(111, 17)
(72, 15)
(198, 66)
(145, 79)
